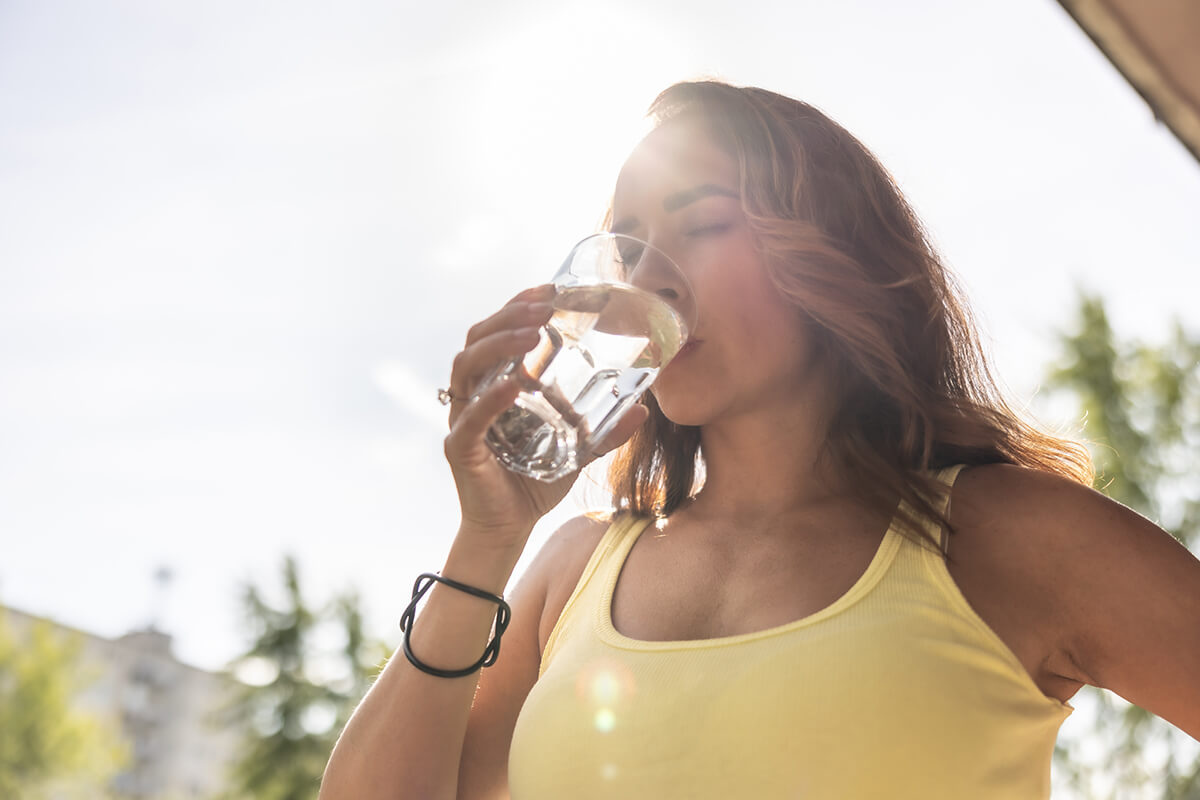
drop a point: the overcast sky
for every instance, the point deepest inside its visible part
(241, 241)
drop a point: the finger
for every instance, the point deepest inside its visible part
(473, 364)
(473, 421)
(482, 356)
(534, 294)
(629, 422)
(531, 307)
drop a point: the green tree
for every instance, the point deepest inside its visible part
(307, 668)
(48, 747)
(361, 656)
(1142, 421)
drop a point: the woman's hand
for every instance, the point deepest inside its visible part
(497, 504)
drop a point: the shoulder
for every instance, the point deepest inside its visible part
(559, 565)
(583, 532)
(1045, 529)
(999, 494)
(1018, 509)
(567, 550)
(1018, 526)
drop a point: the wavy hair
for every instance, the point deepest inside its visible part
(912, 385)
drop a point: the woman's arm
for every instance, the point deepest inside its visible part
(415, 735)
(406, 737)
(1131, 595)
(1123, 595)
(549, 581)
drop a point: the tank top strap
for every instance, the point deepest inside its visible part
(947, 476)
(595, 577)
(939, 498)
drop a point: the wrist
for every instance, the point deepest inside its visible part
(496, 540)
(483, 560)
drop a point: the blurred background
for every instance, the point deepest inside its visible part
(240, 243)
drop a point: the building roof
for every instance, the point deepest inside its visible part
(1153, 43)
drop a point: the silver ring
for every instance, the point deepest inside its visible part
(445, 397)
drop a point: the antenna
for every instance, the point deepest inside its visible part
(162, 580)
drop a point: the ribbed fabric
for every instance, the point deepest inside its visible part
(897, 690)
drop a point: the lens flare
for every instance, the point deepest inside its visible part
(604, 690)
(605, 720)
(605, 684)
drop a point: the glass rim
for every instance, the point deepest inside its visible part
(609, 235)
(686, 313)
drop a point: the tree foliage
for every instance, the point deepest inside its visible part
(1142, 421)
(48, 745)
(312, 667)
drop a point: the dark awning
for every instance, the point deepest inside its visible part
(1155, 44)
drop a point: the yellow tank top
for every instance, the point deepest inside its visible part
(897, 690)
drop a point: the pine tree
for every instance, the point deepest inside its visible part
(294, 717)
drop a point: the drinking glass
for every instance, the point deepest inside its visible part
(622, 310)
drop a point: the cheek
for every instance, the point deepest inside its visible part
(775, 329)
(758, 310)
(737, 300)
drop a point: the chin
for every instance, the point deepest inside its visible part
(680, 406)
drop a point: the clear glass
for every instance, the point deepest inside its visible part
(622, 310)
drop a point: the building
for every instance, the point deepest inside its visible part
(179, 746)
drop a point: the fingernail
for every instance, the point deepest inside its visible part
(540, 309)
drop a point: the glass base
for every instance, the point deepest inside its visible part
(531, 438)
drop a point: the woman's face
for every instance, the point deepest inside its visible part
(749, 350)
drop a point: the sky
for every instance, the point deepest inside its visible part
(240, 243)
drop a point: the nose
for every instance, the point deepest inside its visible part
(653, 271)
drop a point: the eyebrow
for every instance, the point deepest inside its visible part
(674, 202)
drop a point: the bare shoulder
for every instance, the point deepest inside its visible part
(560, 563)
(1018, 527)
(1009, 496)
(1119, 597)
(1052, 521)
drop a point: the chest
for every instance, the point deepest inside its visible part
(770, 716)
(675, 588)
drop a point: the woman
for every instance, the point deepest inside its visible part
(885, 584)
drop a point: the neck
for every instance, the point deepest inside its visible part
(760, 466)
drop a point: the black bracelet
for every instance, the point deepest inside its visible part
(490, 653)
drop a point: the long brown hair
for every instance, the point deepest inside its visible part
(913, 389)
